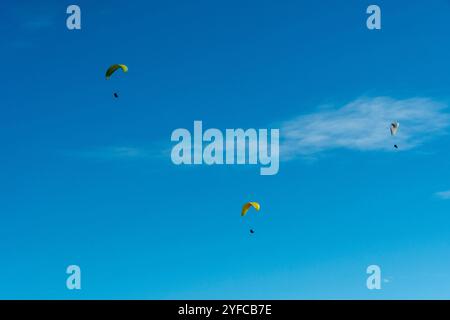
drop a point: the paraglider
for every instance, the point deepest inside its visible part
(245, 209)
(248, 205)
(114, 68)
(394, 128)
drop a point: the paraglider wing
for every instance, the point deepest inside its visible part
(394, 128)
(248, 205)
(114, 68)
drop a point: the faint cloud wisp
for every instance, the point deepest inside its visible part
(444, 195)
(114, 153)
(38, 23)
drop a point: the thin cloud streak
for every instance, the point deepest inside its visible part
(444, 195)
(38, 23)
(116, 153)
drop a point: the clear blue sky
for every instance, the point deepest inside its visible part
(87, 179)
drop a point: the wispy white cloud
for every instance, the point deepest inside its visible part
(364, 125)
(115, 153)
(38, 22)
(444, 195)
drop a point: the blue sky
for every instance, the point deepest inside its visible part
(87, 179)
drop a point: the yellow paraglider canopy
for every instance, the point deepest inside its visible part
(248, 205)
(114, 68)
